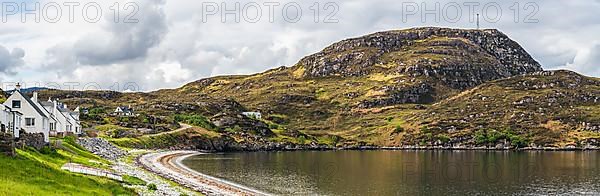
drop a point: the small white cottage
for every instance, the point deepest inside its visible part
(39, 116)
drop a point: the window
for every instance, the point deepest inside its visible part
(16, 104)
(30, 122)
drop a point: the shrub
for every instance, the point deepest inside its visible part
(145, 120)
(195, 120)
(320, 90)
(480, 137)
(428, 136)
(96, 111)
(398, 129)
(389, 118)
(443, 138)
(235, 129)
(425, 130)
(518, 141)
(493, 136)
(273, 126)
(152, 187)
(302, 139)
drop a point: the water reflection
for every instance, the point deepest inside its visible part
(407, 172)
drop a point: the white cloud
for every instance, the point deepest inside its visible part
(586, 61)
(171, 45)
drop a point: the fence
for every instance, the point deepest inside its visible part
(76, 168)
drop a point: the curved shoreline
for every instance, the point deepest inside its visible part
(168, 165)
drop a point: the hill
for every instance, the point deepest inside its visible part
(551, 108)
(403, 87)
(336, 90)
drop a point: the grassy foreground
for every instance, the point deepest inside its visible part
(34, 172)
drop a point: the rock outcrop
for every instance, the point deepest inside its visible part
(102, 148)
(358, 56)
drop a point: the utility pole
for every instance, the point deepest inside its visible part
(477, 21)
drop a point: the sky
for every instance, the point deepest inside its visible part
(146, 45)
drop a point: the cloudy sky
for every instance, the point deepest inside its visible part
(150, 44)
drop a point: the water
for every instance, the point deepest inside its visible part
(407, 172)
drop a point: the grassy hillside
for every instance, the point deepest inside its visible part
(428, 86)
(38, 173)
(554, 108)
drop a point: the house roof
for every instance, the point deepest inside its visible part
(46, 103)
(125, 109)
(63, 111)
(37, 109)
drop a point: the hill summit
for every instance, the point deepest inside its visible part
(486, 53)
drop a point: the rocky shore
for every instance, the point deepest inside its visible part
(108, 151)
(168, 165)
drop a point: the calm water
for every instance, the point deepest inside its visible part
(408, 172)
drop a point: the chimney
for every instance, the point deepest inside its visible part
(55, 103)
(18, 87)
(35, 97)
(65, 106)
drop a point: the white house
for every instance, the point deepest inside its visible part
(73, 118)
(47, 117)
(124, 111)
(67, 121)
(34, 117)
(256, 115)
(10, 121)
(61, 121)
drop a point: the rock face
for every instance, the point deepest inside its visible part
(102, 148)
(226, 121)
(426, 62)
(357, 56)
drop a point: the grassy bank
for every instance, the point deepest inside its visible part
(34, 172)
(161, 141)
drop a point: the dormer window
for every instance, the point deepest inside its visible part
(16, 104)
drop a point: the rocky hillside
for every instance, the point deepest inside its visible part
(550, 108)
(479, 55)
(336, 90)
(421, 86)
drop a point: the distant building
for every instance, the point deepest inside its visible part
(256, 115)
(85, 111)
(124, 111)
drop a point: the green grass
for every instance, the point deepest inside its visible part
(34, 173)
(195, 120)
(163, 140)
(132, 180)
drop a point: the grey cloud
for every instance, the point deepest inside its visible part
(176, 35)
(117, 43)
(9, 60)
(125, 41)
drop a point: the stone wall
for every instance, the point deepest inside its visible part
(35, 140)
(7, 144)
